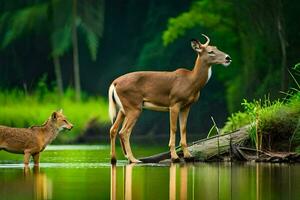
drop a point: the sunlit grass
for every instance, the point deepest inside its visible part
(19, 109)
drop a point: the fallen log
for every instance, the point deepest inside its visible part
(205, 149)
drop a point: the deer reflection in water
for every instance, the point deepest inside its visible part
(42, 186)
(182, 183)
(127, 182)
(26, 184)
(128, 185)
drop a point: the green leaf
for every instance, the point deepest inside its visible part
(61, 40)
(91, 14)
(25, 20)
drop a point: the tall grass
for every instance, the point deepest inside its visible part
(21, 109)
(279, 120)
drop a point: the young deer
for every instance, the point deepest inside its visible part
(31, 141)
(161, 91)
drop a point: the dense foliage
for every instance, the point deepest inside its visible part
(277, 121)
(262, 37)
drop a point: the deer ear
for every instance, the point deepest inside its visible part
(196, 45)
(54, 116)
(60, 111)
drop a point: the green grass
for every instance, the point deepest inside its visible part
(19, 109)
(278, 120)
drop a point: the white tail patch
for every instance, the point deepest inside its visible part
(209, 74)
(112, 109)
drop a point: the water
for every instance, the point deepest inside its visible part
(84, 172)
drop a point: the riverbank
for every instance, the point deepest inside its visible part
(275, 126)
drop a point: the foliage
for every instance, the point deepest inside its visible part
(201, 13)
(24, 20)
(55, 16)
(278, 120)
(258, 59)
(212, 132)
(236, 121)
(19, 109)
(154, 35)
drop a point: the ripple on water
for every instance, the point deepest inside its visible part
(76, 147)
(82, 165)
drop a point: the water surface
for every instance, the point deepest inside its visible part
(84, 172)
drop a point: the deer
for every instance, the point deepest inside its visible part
(166, 91)
(33, 140)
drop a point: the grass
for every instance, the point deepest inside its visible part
(20, 109)
(277, 121)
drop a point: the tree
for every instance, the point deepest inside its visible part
(89, 16)
(61, 26)
(256, 51)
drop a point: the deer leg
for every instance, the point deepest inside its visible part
(26, 157)
(122, 138)
(130, 120)
(174, 110)
(113, 132)
(36, 159)
(183, 115)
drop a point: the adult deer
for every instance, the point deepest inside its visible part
(161, 91)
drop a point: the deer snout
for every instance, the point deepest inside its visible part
(228, 58)
(71, 126)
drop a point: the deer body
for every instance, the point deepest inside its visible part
(161, 91)
(36, 138)
(170, 88)
(31, 141)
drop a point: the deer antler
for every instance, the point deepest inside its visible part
(207, 42)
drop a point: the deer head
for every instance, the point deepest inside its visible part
(210, 54)
(60, 121)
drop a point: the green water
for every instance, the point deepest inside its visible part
(84, 172)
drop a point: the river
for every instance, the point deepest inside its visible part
(84, 172)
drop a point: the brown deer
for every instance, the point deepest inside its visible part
(161, 91)
(31, 141)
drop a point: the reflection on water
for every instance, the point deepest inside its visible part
(76, 173)
(31, 184)
(175, 181)
(172, 183)
(205, 181)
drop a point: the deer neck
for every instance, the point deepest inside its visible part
(49, 131)
(201, 73)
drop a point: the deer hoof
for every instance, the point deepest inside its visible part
(175, 160)
(113, 161)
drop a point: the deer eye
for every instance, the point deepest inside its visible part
(211, 53)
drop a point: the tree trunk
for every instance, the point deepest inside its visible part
(58, 76)
(283, 42)
(205, 149)
(75, 54)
